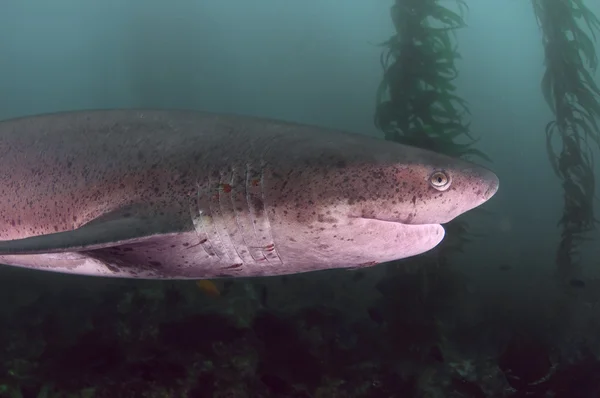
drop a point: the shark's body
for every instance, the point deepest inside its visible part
(177, 194)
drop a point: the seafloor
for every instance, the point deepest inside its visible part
(380, 332)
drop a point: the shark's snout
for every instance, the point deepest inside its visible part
(484, 183)
(493, 185)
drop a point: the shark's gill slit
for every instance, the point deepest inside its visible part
(207, 214)
(229, 231)
(270, 250)
(217, 217)
(262, 228)
(254, 246)
(242, 221)
(238, 189)
(198, 219)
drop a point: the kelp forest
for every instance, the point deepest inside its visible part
(418, 104)
(410, 328)
(569, 31)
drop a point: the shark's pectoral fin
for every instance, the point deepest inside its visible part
(106, 231)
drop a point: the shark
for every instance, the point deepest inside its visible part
(178, 194)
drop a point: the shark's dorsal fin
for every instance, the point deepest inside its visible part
(113, 229)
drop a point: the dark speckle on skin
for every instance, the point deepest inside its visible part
(111, 268)
(157, 165)
(326, 219)
(377, 175)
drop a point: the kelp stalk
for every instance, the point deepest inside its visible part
(572, 94)
(416, 100)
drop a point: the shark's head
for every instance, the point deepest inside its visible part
(364, 201)
(412, 186)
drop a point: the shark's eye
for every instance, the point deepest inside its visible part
(440, 180)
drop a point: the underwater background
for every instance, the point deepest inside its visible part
(508, 311)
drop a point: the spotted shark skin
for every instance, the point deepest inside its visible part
(170, 194)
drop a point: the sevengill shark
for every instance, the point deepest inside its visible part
(172, 194)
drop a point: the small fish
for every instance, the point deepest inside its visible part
(208, 287)
(505, 267)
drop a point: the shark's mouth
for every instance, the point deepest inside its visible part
(404, 222)
(417, 232)
(392, 240)
(422, 237)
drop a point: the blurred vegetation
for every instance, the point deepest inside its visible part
(123, 338)
(417, 102)
(573, 96)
